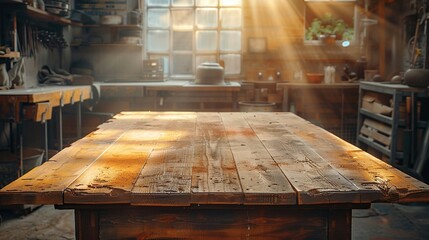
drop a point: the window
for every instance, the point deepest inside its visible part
(186, 33)
(330, 20)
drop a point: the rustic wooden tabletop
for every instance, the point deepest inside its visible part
(185, 158)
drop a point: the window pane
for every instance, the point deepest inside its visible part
(232, 63)
(230, 18)
(230, 3)
(182, 64)
(206, 40)
(203, 59)
(207, 3)
(182, 41)
(158, 41)
(206, 18)
(158, 3)
(183, 3)
(230, 40)
(158, 18)
(183, 19)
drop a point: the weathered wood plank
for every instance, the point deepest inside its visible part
(111, 177)
(387, 130)
(376, 180)
(166, 177)
(314, 179)
(179, 159)
(45, 184)
(52, 96)
(214, 223)
(214, 175)
(261, 179)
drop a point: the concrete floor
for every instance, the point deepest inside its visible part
(380, 222)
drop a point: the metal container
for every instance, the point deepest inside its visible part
(257, 106)
(32, 158)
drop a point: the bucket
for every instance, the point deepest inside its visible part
(257, 106)
(32, 157)
(8, 168)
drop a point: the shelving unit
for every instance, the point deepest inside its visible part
(113, 34)
(398, 127)
(18, 10)
(101, 44)
(35, 13)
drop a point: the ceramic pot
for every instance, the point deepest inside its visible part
(210, 73)
(418, 78)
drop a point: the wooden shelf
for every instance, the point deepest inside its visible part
(37, 14)
(398, 94)
(48, 17)
(379, 147)
(381, 118)
(133, 26)
(107, 45)
(11, 55)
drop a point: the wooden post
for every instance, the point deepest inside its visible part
(382, 38)
(86, 224)
(340, 224)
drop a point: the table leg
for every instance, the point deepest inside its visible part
(12, 139)
(46, 141)
(60, 128)
(79, 120)
(86, 224)
(20, 129)
(286, 99)
(234, 101)
(340, 224)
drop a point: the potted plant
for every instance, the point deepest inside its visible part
(328, 29)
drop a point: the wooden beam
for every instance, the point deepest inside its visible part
(382, 37)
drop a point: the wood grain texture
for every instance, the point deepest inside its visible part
(166, 176)
(213, 224)
(375, 179)
(214, 175)
(112, 176)
(45, 184)
(261, 179)
(186, 158)
(314, 179)
(11, 100)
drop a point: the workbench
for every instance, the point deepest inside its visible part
(169, 95)
(36, 104)
(185, 175)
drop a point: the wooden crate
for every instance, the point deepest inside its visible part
(377, 132)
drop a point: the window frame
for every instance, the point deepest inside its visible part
(354, 18)
(218, 54)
